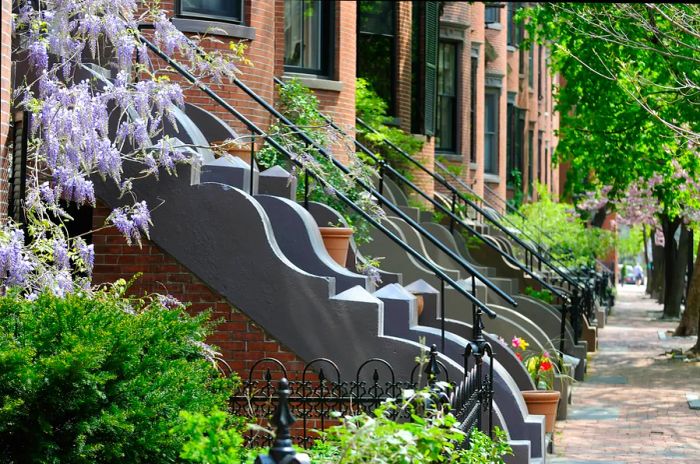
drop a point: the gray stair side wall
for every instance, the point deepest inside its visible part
(325, 215)
(299, 239)
(223, 236)
(416, 241)
(443, 234)
(399, 311)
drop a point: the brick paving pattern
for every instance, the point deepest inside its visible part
(632, 408)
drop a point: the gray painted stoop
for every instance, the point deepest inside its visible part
(226, 238)
(401, 320)
(263, 253)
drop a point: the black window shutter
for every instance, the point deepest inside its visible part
(432, 31)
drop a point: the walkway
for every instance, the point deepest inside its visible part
(632, 408)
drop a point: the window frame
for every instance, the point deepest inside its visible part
(454, 149)
(513, 34)
(204, 17)
(492, 7)
(474, 63)
(326, 45)
(491, 160)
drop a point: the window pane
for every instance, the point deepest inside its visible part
(491, 132)
(376, 17)
(224, 8)
(447, 103)
(305, 33)
(375, 40)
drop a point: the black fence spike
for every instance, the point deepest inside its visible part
(282, 420)
(432, 369)
(375, 376)
(268, 375)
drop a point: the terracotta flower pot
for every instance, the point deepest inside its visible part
(421, 303)
(543, 402)
(337, 242)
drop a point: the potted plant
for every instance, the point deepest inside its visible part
(541, 367)
(325, 179)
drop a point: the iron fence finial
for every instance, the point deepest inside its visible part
(282, 451)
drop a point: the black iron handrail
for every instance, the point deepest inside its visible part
(417, 227)
(469, 202)
(478, 306)
(515, 210)
(383, 166)
(483, 200)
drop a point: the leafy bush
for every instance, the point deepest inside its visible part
(542, 295)
(372, 109)
(298, 103)
(562, 231)
(430, 436)
(100, 378)
(214, 438)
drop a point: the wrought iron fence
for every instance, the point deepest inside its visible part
(319, 395)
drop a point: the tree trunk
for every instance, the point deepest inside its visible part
(656, 283)
(599, 217)
(647, 267)
(689, 321)
(675, 263)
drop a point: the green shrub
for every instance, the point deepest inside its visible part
(100, 378)
(542, 295)
(372, 109)
(213, 438)
(431, 436)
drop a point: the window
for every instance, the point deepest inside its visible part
(491, 131)
(376, 45)
(546, 163)
(540, 74)
(492, 13)
(540, 164)
(308, 37)
(531, 67)
(446, 127)
(226, 10)
(515, 31)
(514, 139)
(530, 150)
(472, 114)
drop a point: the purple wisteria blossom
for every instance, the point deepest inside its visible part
(71, 118)
(15, 264)
(131, 222)
(87, 255)
(60, 253)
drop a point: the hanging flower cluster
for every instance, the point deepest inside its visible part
(85, 124)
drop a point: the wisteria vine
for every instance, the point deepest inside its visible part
(73, 107)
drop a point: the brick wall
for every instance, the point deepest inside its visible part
(404, 11)
(5, 92)
(241, 341)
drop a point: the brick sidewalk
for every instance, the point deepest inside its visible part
(632, 408)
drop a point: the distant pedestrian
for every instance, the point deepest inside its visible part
(638, 274)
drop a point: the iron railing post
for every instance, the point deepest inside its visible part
(282, 451)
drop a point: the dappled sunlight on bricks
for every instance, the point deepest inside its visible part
(652, 421)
